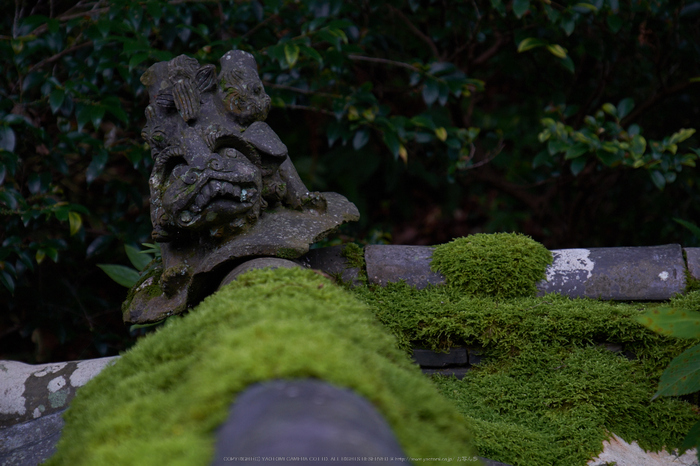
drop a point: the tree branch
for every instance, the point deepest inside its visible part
(59, 55)
(383, 61)
(491, 51)
(652, 101)
(416, 31)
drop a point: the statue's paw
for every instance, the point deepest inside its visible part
(314, 201)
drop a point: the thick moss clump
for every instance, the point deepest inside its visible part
(502, 265)
(162, 401)
(549, 390)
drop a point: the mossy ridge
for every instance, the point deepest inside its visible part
(160, 403)
(503, 265)
(546, 375)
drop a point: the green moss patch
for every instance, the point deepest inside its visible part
(548, 391)
(502, 265)
(162, 401)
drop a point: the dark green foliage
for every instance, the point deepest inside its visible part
(682, 376)
(162, 401)
(548, 390)
(502, 265)
(438, 119)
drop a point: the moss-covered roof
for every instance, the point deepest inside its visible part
(162, 401)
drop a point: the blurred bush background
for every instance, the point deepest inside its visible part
(569, 122)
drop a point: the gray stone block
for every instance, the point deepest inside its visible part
(331, 261)
(458, 372)
(621, 274)
(32, 442)
(693, 257)
(392, 263)
(259, 263)
(288, 421)
(475, 355)
(430, 358)
(31, 391)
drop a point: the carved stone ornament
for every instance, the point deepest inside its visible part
(223, 187)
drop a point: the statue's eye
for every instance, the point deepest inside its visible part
(257, 90)
(173, 162)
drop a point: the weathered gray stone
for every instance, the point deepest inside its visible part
(291, 420)
(331, 261)
(634, 273)
(259, 263)
(30, 391)
(475, 355)
(223, 187)
(391, 263)
(693, 257)
(31, 442)
(458, 372)
(430, 358)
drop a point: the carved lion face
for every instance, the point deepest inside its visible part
(206, 178)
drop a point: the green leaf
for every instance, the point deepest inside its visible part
(310, 52)
(576, 150)
(83, 116)
(7, 138)
(568, 63)
(56, 99)
(125, 276)
(361, 138)
(615, 23)
(114, 106)
(424, 121)
(520, 7)
(692, 438)
(138, 260)
(610, 109)
(577, 166)
(586, 6)
(543, 158)
(638, 146)
(530, 43)
(291, 54)
(690, 226)
(681, 135)
(568, 23)
(392, 142)
(625, 107)
(136, 59)
(8, 282)
(75, 221)
(658, 179)
(682, 376)
(96, 166)
(431, 91)
(557, 50)
(672, 322)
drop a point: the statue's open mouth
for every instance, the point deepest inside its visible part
(213, 190)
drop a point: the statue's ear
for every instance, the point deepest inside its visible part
(206, 78)
(153, 77)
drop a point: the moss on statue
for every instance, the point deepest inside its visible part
(548, 391)
(162, 401)
(503, 265)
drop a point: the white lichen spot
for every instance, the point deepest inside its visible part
(56, 384)
(617, 451)
(49, 369)
(147, 282)
(89, 369)
(663, 276)
(36, 413)
(569, 262)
